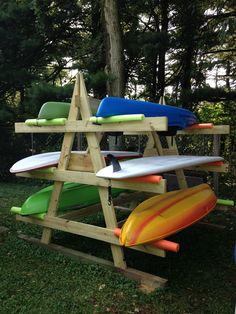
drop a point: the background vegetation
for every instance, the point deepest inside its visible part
(185, 49)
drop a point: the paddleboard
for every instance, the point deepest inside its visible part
(151, 165)
(163, 215)
(177, 117)
(51, 159)
(73, 196)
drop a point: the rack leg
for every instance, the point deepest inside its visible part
(180, 172)
(52, 210)
(111, 223)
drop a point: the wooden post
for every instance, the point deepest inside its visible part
(180, 172)
(99, 163)
(216, 152)
(63, 162)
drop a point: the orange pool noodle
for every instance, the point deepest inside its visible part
(160, 244)
(166, 245)
(145, 179)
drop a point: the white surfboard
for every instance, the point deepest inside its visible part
(51, 159)
(152, 165)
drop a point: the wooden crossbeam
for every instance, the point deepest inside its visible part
(148, 124)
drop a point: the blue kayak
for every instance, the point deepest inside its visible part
(177, 117)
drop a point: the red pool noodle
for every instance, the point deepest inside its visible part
(201, 126)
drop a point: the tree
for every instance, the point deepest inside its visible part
(114, 49)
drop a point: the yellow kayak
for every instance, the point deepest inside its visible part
(163, 215)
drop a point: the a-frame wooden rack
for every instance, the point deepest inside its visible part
(82, 169)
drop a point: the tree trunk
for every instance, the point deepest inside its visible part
(162, 53)
(115, 60)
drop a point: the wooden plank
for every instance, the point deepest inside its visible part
(80, 162)
(148, 124)
(149, 250)
(223, 168)
(217, 129)
(157, 143)
(98, 163)
(148, 282)
(122, 198)
(63, 160)
(77, 255)
(75, 227)
(81, 212)
(208, 225)
(52, 209)
(171, 142)
(150, 149)
(90, 178)
(216, 152)
(90, 231)
(111, 222)
(169, 151)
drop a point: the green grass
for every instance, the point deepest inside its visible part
(34, 280)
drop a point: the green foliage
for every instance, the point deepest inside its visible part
(97, 83)
(214, 113)
(40, 93)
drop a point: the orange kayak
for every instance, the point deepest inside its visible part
(163, 215)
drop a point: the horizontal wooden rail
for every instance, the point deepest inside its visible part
(87, 230)
(90, 178)
(148, 124)
(212, 168)
(216, 129)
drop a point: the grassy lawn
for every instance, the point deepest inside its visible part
(34, 280)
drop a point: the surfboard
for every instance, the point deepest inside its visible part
(152, 165)
(51, 159)
(73, 196)
(166, 214)
(177, 117)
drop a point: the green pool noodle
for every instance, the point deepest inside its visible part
(225, 202)
(45, 170)
(17, 211)
(54, 109)
(41, 122)
(118, 118)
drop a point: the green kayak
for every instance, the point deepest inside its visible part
(54, 109)
(73, 196)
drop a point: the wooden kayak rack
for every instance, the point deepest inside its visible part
(83, 170)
